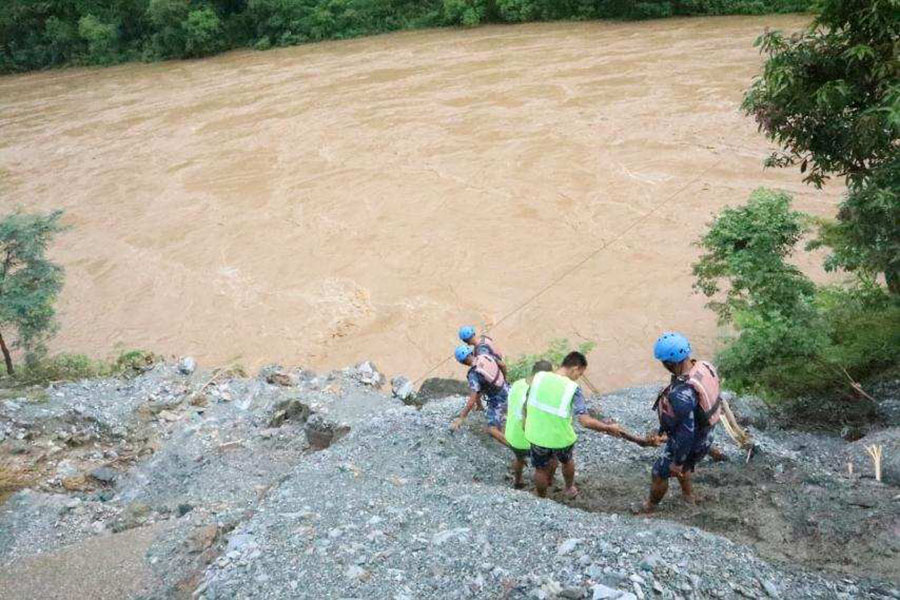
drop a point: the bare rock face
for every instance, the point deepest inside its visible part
(321, 433)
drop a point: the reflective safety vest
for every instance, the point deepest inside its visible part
(548, 422)
(515, 413)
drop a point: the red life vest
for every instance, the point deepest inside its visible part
(703, 378)
(486, 366)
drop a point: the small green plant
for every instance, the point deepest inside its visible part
(134, 361)
(555, 353)
(75, 367)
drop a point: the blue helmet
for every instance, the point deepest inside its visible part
(672, 347)
(466, 332)
(462, 353)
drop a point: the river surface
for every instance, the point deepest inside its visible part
(329, 203)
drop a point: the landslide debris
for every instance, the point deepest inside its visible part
(293, 485)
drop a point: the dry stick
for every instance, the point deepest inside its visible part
(876, 453)
(215, 375)
(625, 435)
(737, 433)
(594, 389)
(855, 386)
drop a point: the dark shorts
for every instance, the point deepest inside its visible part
(521, 454)
(495, 413)
(541, 457)
(698, 452)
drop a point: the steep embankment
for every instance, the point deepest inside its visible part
(181, 485)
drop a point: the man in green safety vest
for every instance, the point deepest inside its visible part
(515, 419)
(553, 400)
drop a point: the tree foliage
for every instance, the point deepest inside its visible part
(792, 338)
(36, 34)
(830, 96)
(748, 247)
(29, 282)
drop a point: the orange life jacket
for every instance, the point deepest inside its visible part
(488, 344)
(705, 381)
(486, 366)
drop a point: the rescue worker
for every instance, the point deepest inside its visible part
(688, 410)
(515, 430)
(488, 382)
(553, 399)
(482, 344)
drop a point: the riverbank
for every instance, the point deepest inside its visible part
(292, 485)
(37, 36)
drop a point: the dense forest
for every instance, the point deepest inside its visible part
(36, 34)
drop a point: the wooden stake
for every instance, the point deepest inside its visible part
(876, 453)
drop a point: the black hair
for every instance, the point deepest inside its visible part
(574, 359)
(541, 365)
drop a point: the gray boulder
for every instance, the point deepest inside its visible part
(439, 387)
(368, 374)
(187, 365)
(402, 389)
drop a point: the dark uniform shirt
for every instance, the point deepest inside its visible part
(682, 428)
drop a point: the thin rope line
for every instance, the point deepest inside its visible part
(581, 263)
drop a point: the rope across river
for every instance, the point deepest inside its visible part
(587, 258)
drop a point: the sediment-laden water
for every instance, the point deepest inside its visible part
(322, 204)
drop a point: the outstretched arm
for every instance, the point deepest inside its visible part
(615, 430)
(470, 404)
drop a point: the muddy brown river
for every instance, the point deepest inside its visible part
(325, 204)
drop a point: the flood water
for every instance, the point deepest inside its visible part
(324, 204)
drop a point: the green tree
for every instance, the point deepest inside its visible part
(101, 38)
(747, 247)
(29, 282)
(793, 339)
(830, 96)
(752, 286)
(467, 13)
(203, 32)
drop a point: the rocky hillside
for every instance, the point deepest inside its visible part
(182, 484)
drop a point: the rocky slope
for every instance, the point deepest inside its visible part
(178, 484)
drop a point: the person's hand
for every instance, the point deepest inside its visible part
(676, 470)
(653, 440)
(456, 423)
